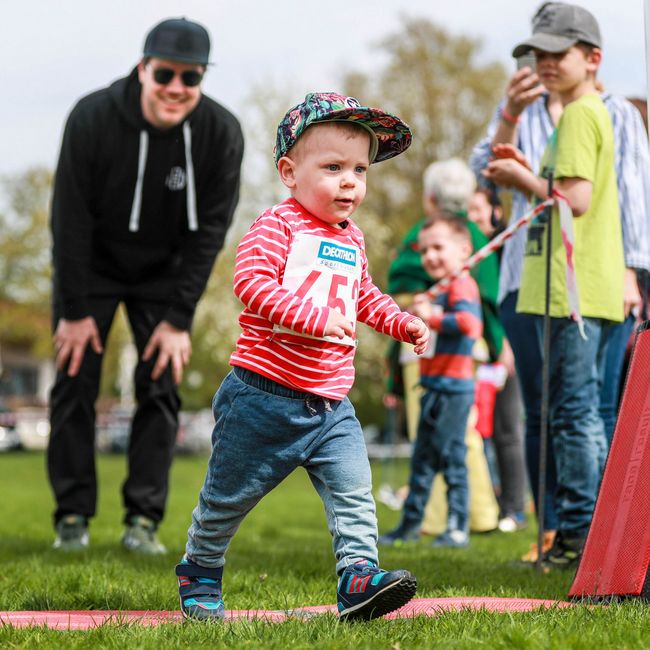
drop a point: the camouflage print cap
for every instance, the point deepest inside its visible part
(389, 135)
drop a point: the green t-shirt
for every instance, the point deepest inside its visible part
(582, 146)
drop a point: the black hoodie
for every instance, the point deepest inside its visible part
(137, 211)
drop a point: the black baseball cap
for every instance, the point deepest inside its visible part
(178, 39)
(557, 26)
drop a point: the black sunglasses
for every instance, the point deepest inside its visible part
(189, 78)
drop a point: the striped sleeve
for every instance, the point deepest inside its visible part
(462, 315)
(482, 151)
(259, 264)
(380, 311)
(632, 162)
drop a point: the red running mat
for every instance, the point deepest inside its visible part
(84, 620)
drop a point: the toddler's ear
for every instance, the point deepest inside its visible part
(287, 171)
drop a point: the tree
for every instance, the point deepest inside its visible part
(25, 275)
(438, 83)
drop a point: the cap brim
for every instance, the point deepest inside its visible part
(544, 42)
(391, 135)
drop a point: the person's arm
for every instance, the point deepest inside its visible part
(509, 172)
(71, 217)
(523, 89)
(482, 151)
(632, 160)
(217, 194)
(463, 313)
(71, 224)
(260, 260)
(379, 311)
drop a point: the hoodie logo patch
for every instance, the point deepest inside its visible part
(176, 179)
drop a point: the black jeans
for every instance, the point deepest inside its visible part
(71, 451)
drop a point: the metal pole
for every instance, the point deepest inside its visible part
(544, 406)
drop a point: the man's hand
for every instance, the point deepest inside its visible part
(338, 325)
(173, 346)
(419, 334)
(631, 294)
(70, 340)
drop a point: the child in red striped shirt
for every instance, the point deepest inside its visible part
(302, 274)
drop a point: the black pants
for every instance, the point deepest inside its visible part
(509, 445)
(71, 451)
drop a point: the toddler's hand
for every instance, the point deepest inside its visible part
(419, 334)
(338, 325)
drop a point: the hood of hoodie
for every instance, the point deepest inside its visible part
(125, 94)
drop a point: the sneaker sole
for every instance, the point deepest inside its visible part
(392, 597)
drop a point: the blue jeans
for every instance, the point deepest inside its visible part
(263, 431)
(614, 355)
(577, 430)
(522, 335)
(440, 447)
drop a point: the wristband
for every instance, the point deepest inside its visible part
(509, 118)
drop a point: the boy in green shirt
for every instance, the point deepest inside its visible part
(580, 155)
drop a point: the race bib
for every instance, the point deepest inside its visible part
(328, 274)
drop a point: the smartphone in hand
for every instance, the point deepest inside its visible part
(527, 60)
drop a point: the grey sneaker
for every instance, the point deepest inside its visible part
(140, 537)
(71, 533)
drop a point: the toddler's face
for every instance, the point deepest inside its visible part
(442, 250)
(329, 171)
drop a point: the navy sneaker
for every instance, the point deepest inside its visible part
(199, 589)
(400, 535)
(365, 591)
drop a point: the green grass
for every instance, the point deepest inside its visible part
(281, 558)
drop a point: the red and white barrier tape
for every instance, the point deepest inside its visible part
(566, 228)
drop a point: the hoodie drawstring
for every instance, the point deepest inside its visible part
(190, 190)
(134, 221)
(192, 219)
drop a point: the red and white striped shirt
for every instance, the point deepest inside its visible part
(301, 358)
